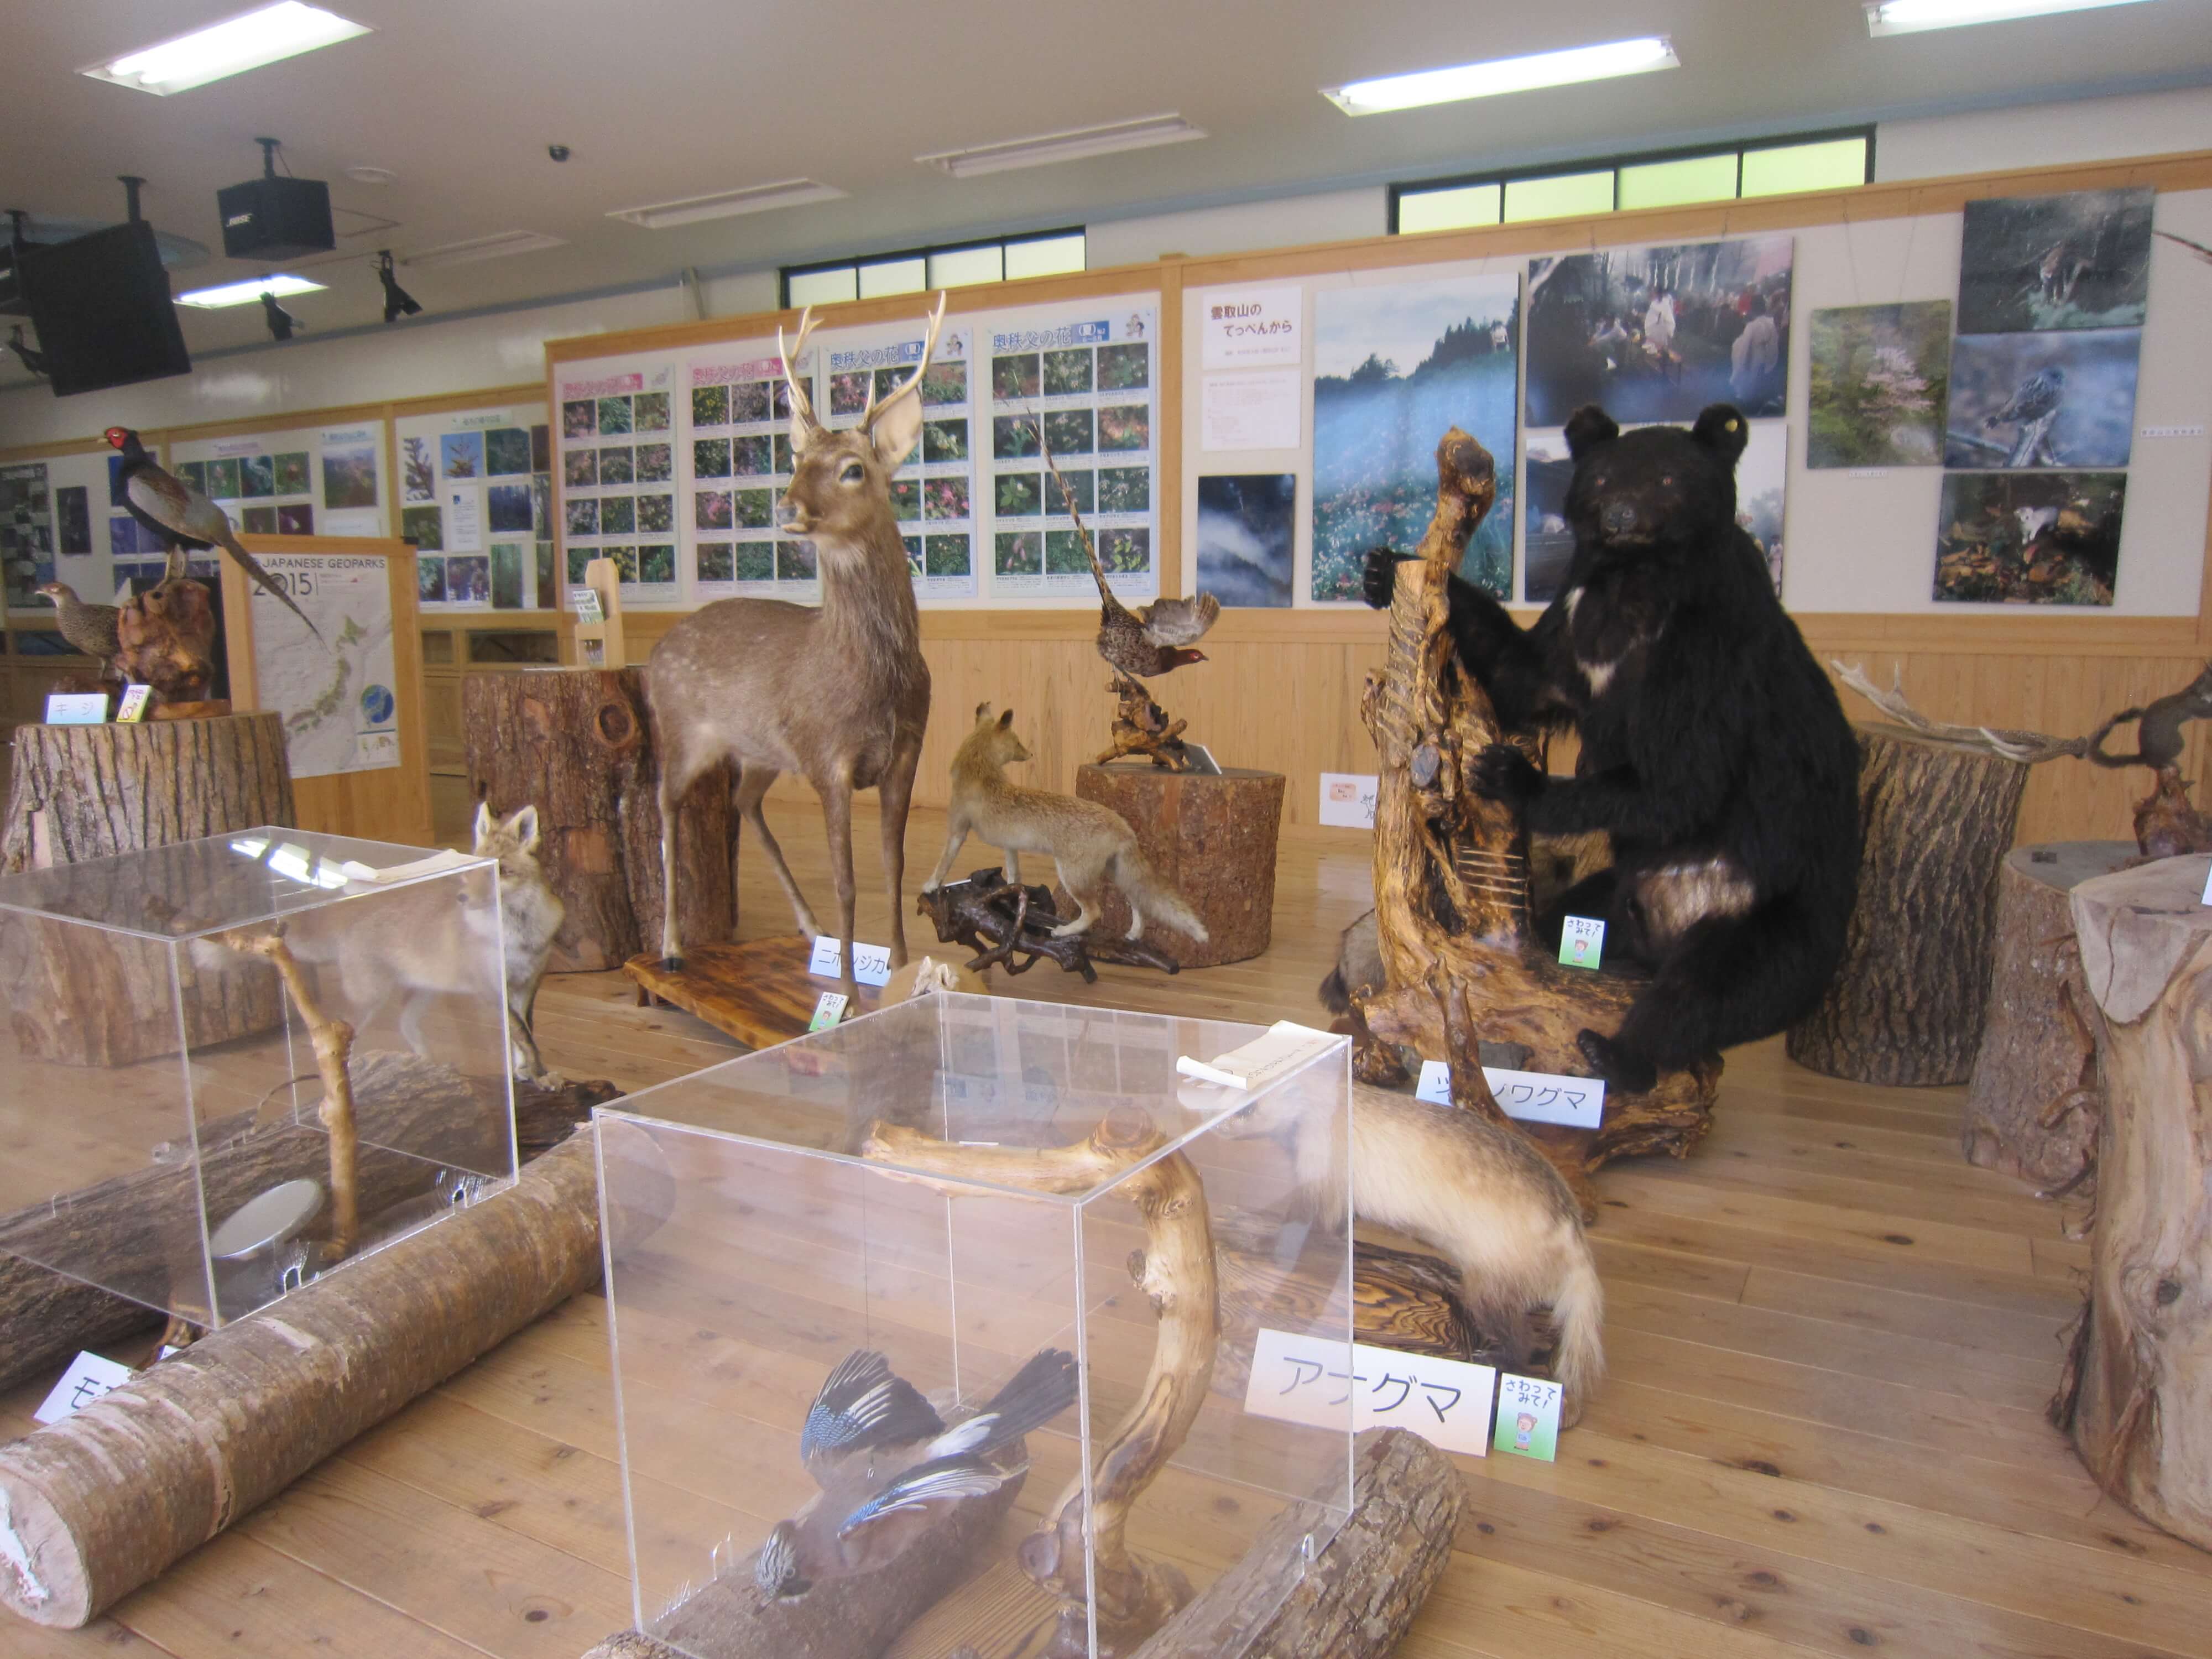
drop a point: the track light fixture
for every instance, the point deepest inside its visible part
(281, 321)
(397, 301)
(33, 359)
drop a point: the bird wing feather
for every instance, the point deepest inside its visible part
(1180, 621)
(943, 1480)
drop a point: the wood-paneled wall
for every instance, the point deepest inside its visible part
(1281, 691)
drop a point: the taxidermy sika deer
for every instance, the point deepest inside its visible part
(1088, 843)
(839, 694)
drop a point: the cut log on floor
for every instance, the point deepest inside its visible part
(759, 992)
(90, 792)
(2034, 1104)
(575, 744)
(854, 1617)
(1355, 1598)
(97, 1504)
(145, 1225)
(2137, 1392)
(1936, 818)
(1212, 839)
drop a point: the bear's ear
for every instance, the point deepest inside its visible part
(1723, 431)
(1588, 427)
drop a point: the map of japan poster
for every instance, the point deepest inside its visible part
(336, 694)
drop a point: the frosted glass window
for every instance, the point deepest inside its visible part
(1693, 179)
(1047, 256)
(888, 276)
(1454, 208)
(964, 266)
(1562, 196)
(824, 287)
(1833, 164)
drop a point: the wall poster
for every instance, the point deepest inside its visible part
(615, 416)
(475, 497)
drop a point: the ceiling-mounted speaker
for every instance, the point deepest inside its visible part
(272, 217)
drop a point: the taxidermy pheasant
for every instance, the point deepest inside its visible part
(90, 628)
(182, 516)
(1141, 643)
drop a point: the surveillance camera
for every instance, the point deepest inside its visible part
(558, 152)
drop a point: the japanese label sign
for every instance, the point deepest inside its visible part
(1532, 1097)
(1317, 1382)
(88, 1377)
(1581, 941)
(1253, 327)
(1528, 1417)
(871, 963)
(1347, 799)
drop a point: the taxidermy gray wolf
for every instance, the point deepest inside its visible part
(1477, 1193)
(1089, 843)
(422, 950)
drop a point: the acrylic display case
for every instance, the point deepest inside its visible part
(161, 1101)
(1015, 1206)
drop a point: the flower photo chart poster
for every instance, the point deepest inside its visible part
(609, 411)
(1081, 380)
(323, 481)
(476, 492)
(736, 460)
(1394, 366)
(933, 491)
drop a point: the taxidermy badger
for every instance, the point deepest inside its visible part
(1714, 751)
(1473, 1190)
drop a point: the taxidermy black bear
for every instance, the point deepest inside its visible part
(1714, 751)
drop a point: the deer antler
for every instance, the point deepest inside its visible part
(877, 405)
(2028, 748)
(802, 406)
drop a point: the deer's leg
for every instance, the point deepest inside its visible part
(751, 789)
(837, 819)
(680, 767)
(894, 794)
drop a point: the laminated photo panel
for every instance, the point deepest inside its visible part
(465, 477)
(2077, 260)
(1879, 380)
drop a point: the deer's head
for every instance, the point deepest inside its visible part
(840, 492)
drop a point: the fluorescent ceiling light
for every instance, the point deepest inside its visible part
(1910, 16)
(230, 47)
(1502, 75)
(245, 293)
(1070, 146)
(728, 203)
(484, 247)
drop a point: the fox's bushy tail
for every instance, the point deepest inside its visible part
(1153, 897)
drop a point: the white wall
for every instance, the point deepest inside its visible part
(1335, 215)
(2044, 134)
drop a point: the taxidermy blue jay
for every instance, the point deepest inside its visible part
(888, 1467)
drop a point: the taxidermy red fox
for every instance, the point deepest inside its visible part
(1089, 843)
(1479, 1193)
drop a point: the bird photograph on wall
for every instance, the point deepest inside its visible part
(2060, 397)
(184, 517)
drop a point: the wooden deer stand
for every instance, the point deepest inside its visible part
(1452, 874)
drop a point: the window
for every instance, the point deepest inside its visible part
(917, 270)
(1769, 167)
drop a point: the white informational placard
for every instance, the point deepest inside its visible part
(1255, 327)
(88, 1377)
(1251, 411)
(463, 520)
(1532, 1097)
(1347, 799)
(1312, 1380)
(337, 693)
(77, 708)
(871, 963)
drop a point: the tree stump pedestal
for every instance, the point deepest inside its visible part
(2034, 1104)
(2137, 1392)
(575, 744)
(1936, 820)
(1212, 839)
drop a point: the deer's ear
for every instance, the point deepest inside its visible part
(896, 426)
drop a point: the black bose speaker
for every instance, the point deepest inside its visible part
(101, 306)
(276, 218)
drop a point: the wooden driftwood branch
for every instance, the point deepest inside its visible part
(1010, 927)
(1177, 1272)
(97, 1504)
(333, 1044)
(1451, 870)
(2029, 748)
(1141, 726)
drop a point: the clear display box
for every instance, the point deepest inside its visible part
(830, 1262)
(161, 1101)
